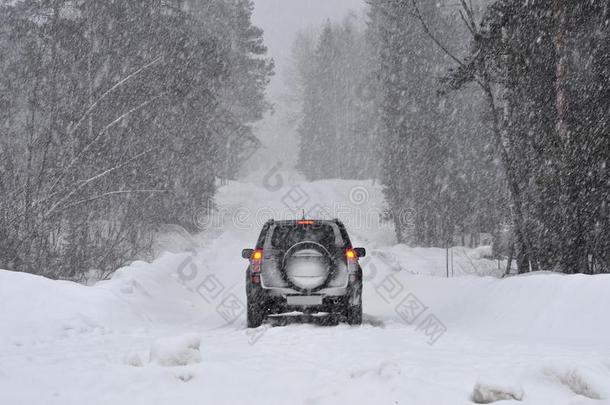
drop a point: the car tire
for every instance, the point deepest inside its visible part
(354, 314)
(354, 311)
(255, 304)
(254, 316)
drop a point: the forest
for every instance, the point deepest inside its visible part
(117, 117)
(485, 118)
(488, 118)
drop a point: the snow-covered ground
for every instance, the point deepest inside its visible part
(173, 331)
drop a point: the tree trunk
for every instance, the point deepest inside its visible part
(509, 261)
(561, 71)
(522, 244)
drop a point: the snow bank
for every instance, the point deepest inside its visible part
(37, 308)
(548, 307)
(537, 307)
(459, 261)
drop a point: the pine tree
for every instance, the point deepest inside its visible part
(542, 54)
(337, 126)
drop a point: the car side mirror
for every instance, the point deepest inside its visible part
(360, 251)
(247, 253)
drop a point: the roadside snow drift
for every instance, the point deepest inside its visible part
(173, 331)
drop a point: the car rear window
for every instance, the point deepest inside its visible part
(285, 235)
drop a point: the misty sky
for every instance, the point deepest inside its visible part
(281, 19)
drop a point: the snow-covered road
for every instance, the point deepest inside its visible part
(173, 331)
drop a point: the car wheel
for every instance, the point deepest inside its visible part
(255, 306)
(354, 311)
(354, 314)
(255, 315)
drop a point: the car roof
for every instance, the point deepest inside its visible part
(338, 225)
(296, 221)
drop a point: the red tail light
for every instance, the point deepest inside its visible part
(305, 222)
(255, 260)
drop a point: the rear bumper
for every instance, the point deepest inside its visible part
(325, 292)
(332, 304)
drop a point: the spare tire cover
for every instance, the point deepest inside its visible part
(307, 266)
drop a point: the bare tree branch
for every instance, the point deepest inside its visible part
(432, 37)
(84, 183)
(466, 23)
(65, 170)
(107, 92)
(108, 194)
